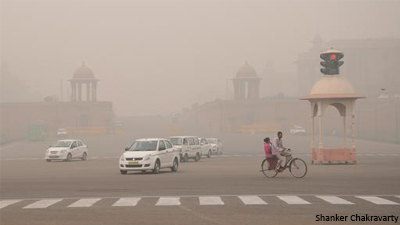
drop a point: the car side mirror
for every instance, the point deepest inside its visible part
(126, 149)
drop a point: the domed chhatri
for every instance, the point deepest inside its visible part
(246, 71)
(334, 90)
(83, 77)
(246, 83)
(333, 86)
(83, 72)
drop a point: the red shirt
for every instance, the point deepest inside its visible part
(267, 149)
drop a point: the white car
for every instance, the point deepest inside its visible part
(67, 150)
(297, 130)
(216, 146)
(149, 154)
(62, 132)
(206, 149)
(187, 146)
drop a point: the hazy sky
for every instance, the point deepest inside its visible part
(159, 56)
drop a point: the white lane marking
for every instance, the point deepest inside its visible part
(42, 204)
(127, 202)
(377, 200)
(252, 200)
(334, 200)
(5, 203)
(85, 202)
(293, 200)
(11, 145)
(211, 201)
(168, 201)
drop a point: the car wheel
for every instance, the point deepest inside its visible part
(123, 171)
(156, 167)
(48, 160)
(174, 168)
(197, 158)
(185, 158)
(84, 156)
(209, 154)
(69, 157)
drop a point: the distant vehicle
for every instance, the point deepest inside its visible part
(117, 127)
(205, 147)
(383, 95)
(37, 131)
(216, 146)
(67, 150)
(187, 146)
(149, 154)
(297, 130)
(62, 132)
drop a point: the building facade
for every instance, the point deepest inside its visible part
(82, 114)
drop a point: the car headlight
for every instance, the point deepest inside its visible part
(63, 151)
(147, 157)
(122, 158)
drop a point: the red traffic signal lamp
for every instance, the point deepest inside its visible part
(331, 62)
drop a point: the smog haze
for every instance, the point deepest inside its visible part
(157, 57)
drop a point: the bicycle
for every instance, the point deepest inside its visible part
(297, 166)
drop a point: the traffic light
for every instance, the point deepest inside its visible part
(331, 62)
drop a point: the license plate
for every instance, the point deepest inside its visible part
(133, 163)
(53, 157)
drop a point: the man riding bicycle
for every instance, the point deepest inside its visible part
(278, 150)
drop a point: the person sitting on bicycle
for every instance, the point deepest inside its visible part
(279, 150)
(267, 147)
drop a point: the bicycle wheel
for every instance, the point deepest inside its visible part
(298, 168)
(267, 171)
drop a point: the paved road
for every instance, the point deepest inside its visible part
(226, 189)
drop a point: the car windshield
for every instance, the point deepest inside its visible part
(176, 141)
(63, 144)
(211, 140)
(143, 146)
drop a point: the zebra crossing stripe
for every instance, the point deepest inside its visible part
(41, 204)
(335, 200)
(127, 202)
(377, 200)
(252, 200)
(211, 201)
(204, 200)
(85, 202)
(293, 200)
(168, 201)
(5, 203)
